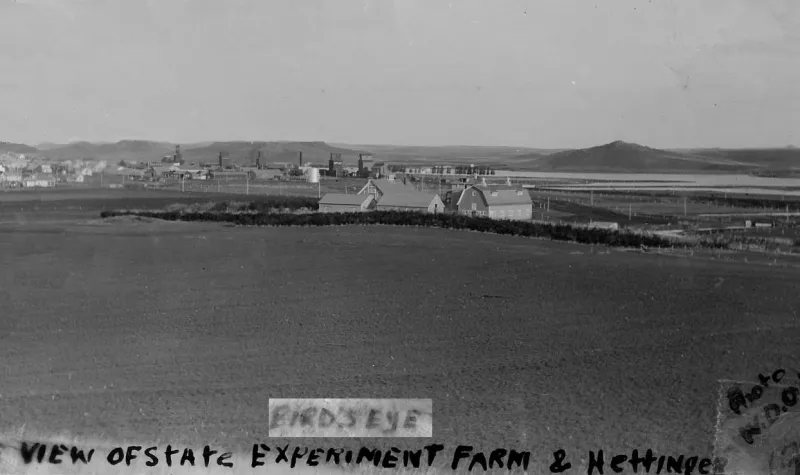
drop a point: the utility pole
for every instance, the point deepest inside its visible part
(629, 211)
(247, 184)
(684, 206)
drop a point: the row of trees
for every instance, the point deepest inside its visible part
(558, 232)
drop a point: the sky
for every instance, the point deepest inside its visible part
(526, 73)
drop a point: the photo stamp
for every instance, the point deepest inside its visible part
(758, 425)
(350, 418)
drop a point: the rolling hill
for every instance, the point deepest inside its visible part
(624, 157)
(137, 150)
(16, 148)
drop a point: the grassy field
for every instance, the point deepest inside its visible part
(182, 331)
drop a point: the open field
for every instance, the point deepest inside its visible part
(182, 331)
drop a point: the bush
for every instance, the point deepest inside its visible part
(559, 232)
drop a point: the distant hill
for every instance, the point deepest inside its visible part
(131, 150)
(452, 154)
(624, 157)
(16, 148)
(245, 153)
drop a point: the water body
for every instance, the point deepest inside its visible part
(618, 180)
(628, 187)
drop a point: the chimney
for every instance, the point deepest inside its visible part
(220, 161)
(360, 162)
(301, 159)
(330, 164)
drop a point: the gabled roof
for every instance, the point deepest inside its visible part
(344, 199)
(505, 195)
(407, 200)
(389, 187)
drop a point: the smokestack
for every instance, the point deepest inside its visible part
(220, 161)
(301, 158)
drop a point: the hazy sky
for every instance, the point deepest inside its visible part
(540, 73)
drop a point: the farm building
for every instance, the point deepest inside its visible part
(424, 202)
(494, 202)
(378, 188)
(342, 203)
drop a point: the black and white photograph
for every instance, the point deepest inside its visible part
(399, 236)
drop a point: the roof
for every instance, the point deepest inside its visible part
(343, 199)
(408, 200)
(505, 195)
(388, 187)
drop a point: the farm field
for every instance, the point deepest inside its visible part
(156, 330)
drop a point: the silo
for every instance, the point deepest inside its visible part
(313, 175)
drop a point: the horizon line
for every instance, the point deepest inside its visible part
(355, 144)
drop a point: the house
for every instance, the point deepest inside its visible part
(11, 177)
(494, 202)
(343, 203)
(37, 181)
(45, 168)
(423, 202)
(380, 187)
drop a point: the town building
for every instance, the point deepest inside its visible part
(39, 181)
(344, 203)
(380, 170)
(493, 202)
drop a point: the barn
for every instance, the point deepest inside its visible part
(379, 188)
(422, 202)
(493, 202)
(344, 203)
